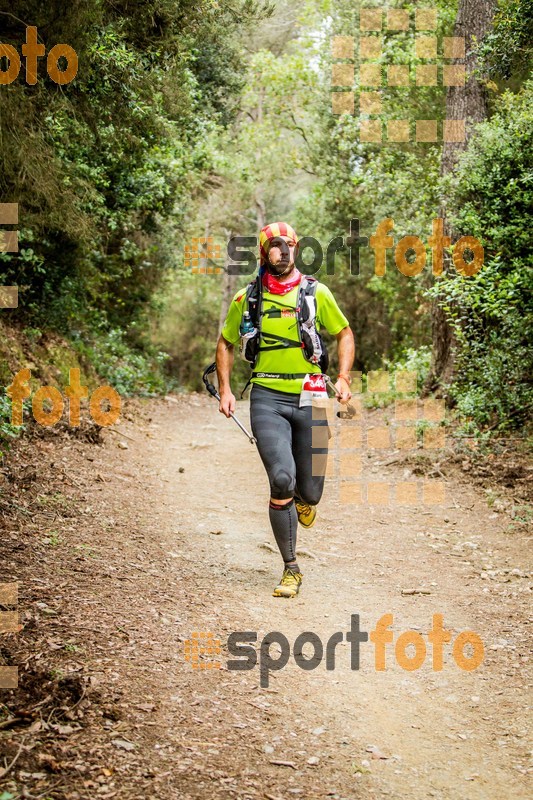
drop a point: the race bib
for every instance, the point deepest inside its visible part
(314, 391)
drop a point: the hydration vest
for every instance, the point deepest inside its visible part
(309, 340)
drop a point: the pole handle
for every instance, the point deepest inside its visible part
(213, 392)
(350, 412)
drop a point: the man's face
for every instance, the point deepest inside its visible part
(281, 254)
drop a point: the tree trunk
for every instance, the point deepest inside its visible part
(467, 103)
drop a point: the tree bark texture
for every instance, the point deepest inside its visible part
(468, 102)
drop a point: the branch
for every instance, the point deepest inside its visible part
(301, 131)
(3, 772)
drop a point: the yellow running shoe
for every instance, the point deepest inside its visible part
(289, 585)
(306, 514)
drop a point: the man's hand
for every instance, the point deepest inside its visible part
(346, 351)
(227, 403)
(343, 390)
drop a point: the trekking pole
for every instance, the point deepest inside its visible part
(213, 392)
(350, 412)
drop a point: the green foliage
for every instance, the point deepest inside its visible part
(414, 360)
(105, 168)
(370, 182)
(130, 372)
(493, 322)
(200, 118)
(288, 156)
(53, 539)
(507, 49)
(33, 334)
(188, 331)
(411, 360)
(492, 313)
(7, 430)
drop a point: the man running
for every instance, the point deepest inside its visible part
(285, 420)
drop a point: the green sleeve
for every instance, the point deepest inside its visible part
(328, 312)
(230, 331)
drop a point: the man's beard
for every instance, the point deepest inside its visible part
(281, 269)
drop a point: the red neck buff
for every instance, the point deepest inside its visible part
(275, 286)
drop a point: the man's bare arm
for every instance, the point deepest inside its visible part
(224, 361)
(346, 353)
(346, 350)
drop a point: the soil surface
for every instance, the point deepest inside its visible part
(125, 542)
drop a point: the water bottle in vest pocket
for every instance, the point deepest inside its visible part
(249, 338)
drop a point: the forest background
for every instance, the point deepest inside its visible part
(195, 120)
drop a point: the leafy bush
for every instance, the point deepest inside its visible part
(506, 50)
(491, 312)
(7, 430)
(129, 371)
(412, 360)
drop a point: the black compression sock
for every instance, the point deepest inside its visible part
(284, 521)
(293, 567)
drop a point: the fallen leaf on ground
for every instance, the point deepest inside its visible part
(123, 744)
(375, 752)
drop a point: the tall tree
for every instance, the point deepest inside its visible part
(469, 103)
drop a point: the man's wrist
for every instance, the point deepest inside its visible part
(346, 377)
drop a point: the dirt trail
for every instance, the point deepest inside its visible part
(176, 525)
